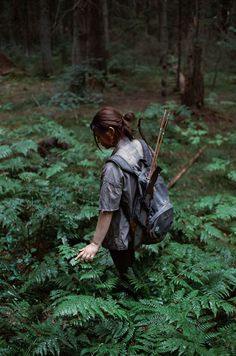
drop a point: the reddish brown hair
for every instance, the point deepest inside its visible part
(110, 117)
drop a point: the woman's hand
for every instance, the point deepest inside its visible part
(88, 252)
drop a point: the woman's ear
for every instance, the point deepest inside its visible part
(111, 131)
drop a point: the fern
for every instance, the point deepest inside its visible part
(47, 346)
(232, 176)
(88, 307)
(24, 147)
(54, 169)
(218, 165)
(5, 151)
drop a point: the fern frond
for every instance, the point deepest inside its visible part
(47, 346)
(208, 202)
(55, 169)
(8, 185)
(5, 151)
(232, 176)
(43, 271)
(87, 212)
(226, 211)
(210, 231)
(24, 147)
(87, 307)
(217, 164)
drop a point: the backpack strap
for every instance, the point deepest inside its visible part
(147, 153)
(121, 163)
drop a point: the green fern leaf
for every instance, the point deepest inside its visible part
(25, 146)
(28, 176)
(87, 212)
(47, 346)
(211, 231)
(9, 185)
(232, 176)
(54, 169)
(218, 164)
(226, 212)
(5, 151)
(88, 307)
(208, 202)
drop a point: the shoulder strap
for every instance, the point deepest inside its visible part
(121, 163)
(147, 155)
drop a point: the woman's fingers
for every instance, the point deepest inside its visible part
(83, 256)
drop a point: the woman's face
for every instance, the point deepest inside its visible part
(105, 139)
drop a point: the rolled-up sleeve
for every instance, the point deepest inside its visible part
(111, 188)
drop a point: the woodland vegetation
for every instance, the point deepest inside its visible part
(59, 62)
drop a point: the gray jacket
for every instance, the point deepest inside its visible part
(116, 187)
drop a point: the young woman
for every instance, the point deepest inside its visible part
(117, 191)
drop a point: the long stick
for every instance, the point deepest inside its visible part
(160, 136)
(185, 168)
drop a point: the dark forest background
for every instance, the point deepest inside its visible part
(182, 40)
(60, 61)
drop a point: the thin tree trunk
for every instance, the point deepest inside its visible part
(194, 88)
(45, 37)
(164, 48)
(179, 44)
(80, 31)
(96, 45)
(106, 27)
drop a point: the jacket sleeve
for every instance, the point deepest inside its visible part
(111, 187)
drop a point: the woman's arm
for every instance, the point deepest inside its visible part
(88, 253)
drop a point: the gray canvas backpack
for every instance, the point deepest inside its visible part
(152, 210)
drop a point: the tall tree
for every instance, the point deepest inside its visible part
(193, 94)
(96, 44)
(164, 47)
(105, 15)
(80, 32)
(179, 44)
(45, 37)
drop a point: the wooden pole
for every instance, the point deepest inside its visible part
(160, 136)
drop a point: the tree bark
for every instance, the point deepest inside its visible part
(96, 45)
(164, 48)
(106, 28)
(45, 37)
(179, 46)
(194, 84)
(80, 33)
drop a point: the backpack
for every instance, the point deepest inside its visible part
(152, 210)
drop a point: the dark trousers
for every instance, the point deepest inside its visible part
(123, 260)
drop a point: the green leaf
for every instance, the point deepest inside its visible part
(5, 151)
(56, 168)
(25, 147)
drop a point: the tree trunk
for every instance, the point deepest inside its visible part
(179, 46)
(96, 45)
(164, 48)
(45, 37)
(194, 85)
(106, 28)
(80, 33)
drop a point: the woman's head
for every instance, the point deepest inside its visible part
(109, 126)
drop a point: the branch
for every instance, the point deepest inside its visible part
(185, 168)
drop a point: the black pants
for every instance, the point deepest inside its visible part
(123, 260)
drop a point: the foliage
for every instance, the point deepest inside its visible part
(53, 305)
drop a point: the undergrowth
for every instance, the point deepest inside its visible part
(53, 305)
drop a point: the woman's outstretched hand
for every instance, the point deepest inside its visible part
(88, 252)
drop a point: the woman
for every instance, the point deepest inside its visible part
(117, 191)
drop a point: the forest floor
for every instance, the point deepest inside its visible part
(22, 100)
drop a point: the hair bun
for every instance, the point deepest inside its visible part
(129, 116)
